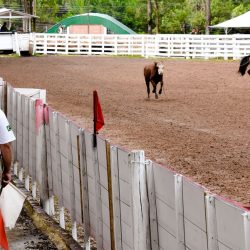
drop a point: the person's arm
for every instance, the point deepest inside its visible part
(6, 151)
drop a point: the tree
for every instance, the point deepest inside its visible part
(149, 12)
(208, 16)
(157, 19)
(151, 16)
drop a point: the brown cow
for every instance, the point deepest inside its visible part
(154, 73)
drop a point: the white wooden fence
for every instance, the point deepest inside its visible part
(166, 45)
(123, 200)
(16, 42)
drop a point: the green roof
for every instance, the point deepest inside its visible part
(94, 18)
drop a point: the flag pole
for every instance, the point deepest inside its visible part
(98, 117)
(95, 118)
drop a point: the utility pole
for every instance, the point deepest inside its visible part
(149, 12)
(208, 16)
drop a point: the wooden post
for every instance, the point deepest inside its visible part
(247, 230)
(110, 193)
(154, 235)
(84, 188)
(140, 206)
(71, 178)
(61, 218)
(99, 225)
(211, 223)
(34, 190)
(27, 182)
(116, 197)
(179, 213)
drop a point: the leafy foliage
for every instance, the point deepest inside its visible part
(174, 16)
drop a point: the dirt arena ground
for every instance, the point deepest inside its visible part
(200, 127)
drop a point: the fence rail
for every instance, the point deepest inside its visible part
(184, 46)
(123, 200)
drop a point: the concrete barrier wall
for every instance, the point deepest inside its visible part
(121, 199)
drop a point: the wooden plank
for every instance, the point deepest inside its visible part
(194, 215)
(70, 171)
(116, 197)
(90, 182)
(25, 141)
(154, 237)
(9, 103)
(211, 223)
(140, 204)
(227, 215)
(58, 179)
(164, 185)
(99, 222)
(19, 129)
(247, 229)
(32, 140)
(194, 204)
(49, 156)
(110, 194)
(167, 240)
(180, 234)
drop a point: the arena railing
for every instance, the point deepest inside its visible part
(118, 196)
(161, 45)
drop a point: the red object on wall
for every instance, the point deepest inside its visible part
(98, 116)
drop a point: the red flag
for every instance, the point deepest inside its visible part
(3, 237)
(98, 116)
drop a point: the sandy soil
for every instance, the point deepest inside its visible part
(199, 127)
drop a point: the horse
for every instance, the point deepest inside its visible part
(243, 65)
(154, 73)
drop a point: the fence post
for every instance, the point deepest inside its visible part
(247, 230)
(45, 44)
(71, 178)
(110, 194)
(235, 48)
(84, 187)
(34, 44)
(116, 197)
(66, 38)
(211, 223)
(99, 222)
(187, 47)
(90, 44)
(47, 124)
(57, 165)
(116, 44)
(225, 49)
(41, 156)
(17, 44)
(154, 234)
(140, 206)
(179, 213)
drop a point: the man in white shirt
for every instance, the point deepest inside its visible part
(6, 137)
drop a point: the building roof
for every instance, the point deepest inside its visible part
(94, 18)
(13, 14)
